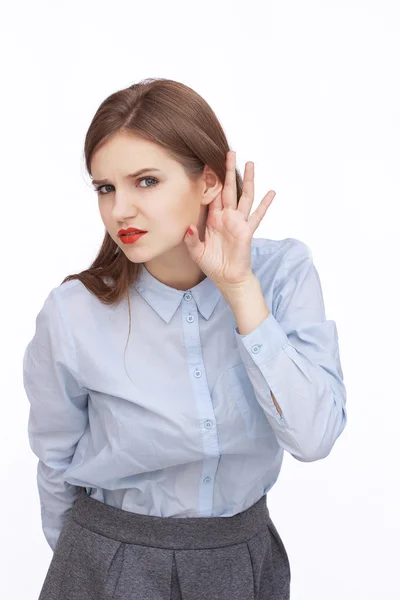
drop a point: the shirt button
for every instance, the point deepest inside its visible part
(206, 479)
(190, 318)
(255, 349)
(197, 373)
(187, 296)
(208, 424)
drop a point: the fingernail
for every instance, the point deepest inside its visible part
(190, 231)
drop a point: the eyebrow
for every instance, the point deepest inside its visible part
(130, 176)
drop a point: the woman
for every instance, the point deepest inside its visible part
(232, 357)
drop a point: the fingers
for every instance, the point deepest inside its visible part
(229, 191)
(247, 197)
(260, 211)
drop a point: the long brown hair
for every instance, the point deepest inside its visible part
(177, 118)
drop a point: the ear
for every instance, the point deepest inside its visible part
(210, 187)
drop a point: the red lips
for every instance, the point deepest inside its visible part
(129, 230)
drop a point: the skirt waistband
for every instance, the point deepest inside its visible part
(169, 532)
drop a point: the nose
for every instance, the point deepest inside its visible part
(124, 207)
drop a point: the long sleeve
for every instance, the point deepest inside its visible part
(294, 354)
(58, 413)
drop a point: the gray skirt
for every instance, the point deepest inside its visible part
(106, 553)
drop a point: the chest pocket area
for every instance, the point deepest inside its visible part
(242, 392)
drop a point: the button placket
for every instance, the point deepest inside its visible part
(208, 423)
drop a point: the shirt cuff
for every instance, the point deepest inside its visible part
(261, 344)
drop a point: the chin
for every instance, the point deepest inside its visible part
(135, 260)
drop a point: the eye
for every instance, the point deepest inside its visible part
(144, 179)
(99, 189)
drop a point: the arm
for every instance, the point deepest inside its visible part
(250, 310)
(295, 353)
(58, 413)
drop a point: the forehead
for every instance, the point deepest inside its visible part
(127, 153)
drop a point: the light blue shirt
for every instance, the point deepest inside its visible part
(193, 430)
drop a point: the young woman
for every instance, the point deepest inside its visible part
(155, 486)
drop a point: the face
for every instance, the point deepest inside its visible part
(162, 201)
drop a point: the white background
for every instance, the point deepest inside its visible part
(307, 90)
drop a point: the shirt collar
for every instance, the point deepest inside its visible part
(165, 300)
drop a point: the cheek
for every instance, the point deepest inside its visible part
(175, 218)
(105, 217)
